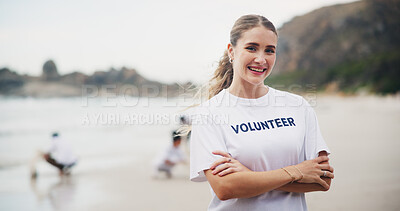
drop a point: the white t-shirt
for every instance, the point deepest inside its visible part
(61, 151)
(276, 130)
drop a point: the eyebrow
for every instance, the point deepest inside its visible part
(256, 44)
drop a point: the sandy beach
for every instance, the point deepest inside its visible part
(362, 132)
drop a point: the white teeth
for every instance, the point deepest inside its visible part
(257, 70)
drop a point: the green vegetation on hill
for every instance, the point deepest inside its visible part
(377, 73)
(350, 46)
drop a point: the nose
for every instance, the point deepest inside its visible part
(260, 59)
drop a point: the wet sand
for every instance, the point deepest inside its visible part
(363, 134)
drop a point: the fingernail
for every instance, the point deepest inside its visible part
(213, 172)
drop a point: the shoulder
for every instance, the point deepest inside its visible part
(209, 109)
(288, 99)
(211, 105)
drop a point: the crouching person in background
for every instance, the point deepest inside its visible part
(59, 155)
(171, 156)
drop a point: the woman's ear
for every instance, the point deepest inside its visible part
(230, 51)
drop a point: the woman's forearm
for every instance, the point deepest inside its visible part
(305, 187)
(308, 187)
(246, 184)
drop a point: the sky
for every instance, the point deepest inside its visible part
(168, 41)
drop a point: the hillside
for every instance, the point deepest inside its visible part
(115, 82)
(347, 47)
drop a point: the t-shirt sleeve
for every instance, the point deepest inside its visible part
(206, 138)
(314, 142)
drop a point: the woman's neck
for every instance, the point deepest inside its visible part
(248, 90)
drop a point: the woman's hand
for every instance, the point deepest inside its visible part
(226, 164)
(313, 170)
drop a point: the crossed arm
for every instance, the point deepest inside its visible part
(308, 187)
(230, 179)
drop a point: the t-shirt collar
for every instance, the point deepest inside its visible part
(235, 100)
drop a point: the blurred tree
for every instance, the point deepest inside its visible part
(50, 72)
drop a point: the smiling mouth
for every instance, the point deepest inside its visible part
(259, 70)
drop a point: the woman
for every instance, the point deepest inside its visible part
(271, 146)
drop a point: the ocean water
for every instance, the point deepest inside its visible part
(104, 132)
(95, 127)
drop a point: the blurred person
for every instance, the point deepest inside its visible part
(60, 155)
(271, 151)
(172, 155)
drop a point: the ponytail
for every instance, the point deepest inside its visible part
(222, 78)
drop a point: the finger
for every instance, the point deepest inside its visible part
(227, 171)
(324, 162)
(321, 159)
(324, 166)
(221, 167)
(222, 153)
(327, 174)
(330, 175)
(219, 162)
(323, 183)
(329, 168)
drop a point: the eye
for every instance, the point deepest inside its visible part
(270, 50)
(250, 48)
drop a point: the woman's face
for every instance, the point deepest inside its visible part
(254, 55)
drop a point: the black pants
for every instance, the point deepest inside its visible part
(53, 162)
